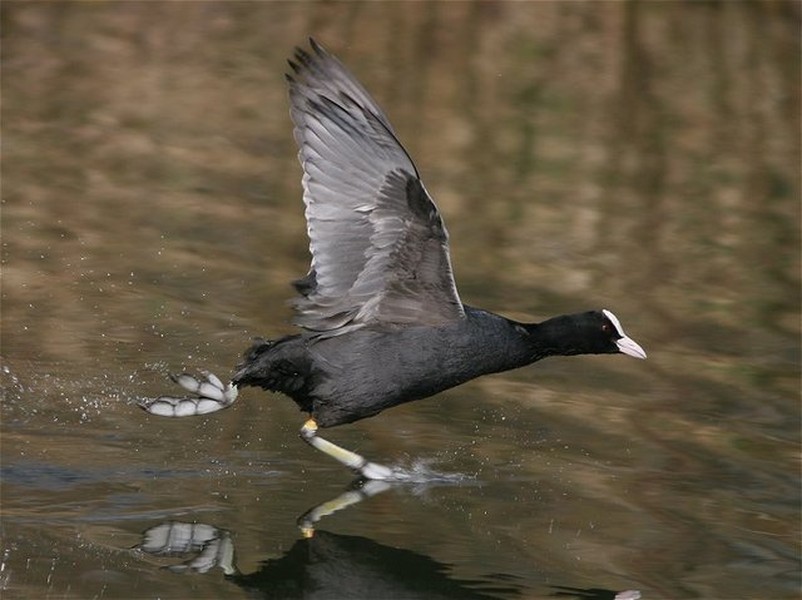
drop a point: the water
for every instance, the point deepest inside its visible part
(639, 157)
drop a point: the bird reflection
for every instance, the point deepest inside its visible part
(322, 564)
(326, 565)
(359, 490)
(594, 593)
(330, 565)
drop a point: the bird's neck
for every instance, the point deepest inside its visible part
(506, 344)
(557, 336)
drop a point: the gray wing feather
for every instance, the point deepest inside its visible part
(379, 247)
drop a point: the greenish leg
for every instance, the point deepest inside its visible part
(356, 462)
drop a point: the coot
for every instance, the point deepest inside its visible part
(382, 322)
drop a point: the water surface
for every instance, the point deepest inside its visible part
(639, 157)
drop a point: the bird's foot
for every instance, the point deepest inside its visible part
(207, 546)
(210, 395)
(377, 472)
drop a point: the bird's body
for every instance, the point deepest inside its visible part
(340, 379)
(382, 322)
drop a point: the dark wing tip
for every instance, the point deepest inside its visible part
(306, 285)
(318, 48)
(303, 57)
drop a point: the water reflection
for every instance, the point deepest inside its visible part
(326, 565)
(330, 565)
(360, 489)
(643, 155)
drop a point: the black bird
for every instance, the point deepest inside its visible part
(382, 322)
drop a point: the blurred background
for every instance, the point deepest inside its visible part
(641, 157)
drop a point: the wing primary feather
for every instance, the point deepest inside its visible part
(378, 243)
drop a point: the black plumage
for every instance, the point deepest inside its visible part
(380, 316)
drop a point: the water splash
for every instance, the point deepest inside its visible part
(421, 473)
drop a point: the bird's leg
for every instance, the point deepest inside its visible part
(359, 490)
(356, 462)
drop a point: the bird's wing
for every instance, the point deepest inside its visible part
(379, 247)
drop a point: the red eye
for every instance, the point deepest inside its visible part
(606, 328)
